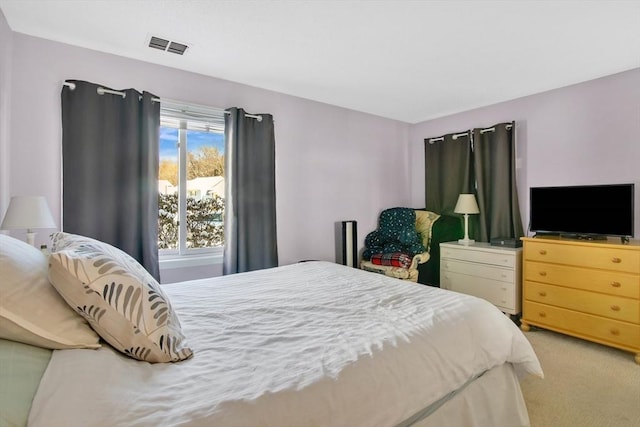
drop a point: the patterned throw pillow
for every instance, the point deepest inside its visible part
(121, 301)
(396, 233)
(396, 259)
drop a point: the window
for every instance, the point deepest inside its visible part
(191, 180)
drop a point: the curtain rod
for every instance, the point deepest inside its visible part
(102, 91)
(493, 129)
(457, 135)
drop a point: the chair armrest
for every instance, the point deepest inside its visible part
(419, 259)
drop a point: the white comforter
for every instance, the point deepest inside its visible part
(310, 344)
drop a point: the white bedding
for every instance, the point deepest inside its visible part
(310, 344)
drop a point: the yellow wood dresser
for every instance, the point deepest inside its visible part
(588, 289)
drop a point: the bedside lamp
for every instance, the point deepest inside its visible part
(28, 212)
(466, 205)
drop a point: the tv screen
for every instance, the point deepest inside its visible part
(587, 210)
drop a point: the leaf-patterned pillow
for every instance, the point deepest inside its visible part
(121, 301)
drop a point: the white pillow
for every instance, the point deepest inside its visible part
(31, 311)
(118, 297)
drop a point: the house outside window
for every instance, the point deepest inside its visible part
(191, 180)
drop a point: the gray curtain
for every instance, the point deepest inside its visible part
(110, 169)
(495, 173)
(250, 192)
(448, 172)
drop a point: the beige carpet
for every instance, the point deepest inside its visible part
(585, 384)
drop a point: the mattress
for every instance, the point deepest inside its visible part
(313, 343)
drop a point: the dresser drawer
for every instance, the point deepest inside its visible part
(496, 292)
(479, 270)
(493, 258)
(613, 307)
(606, 282)
(583, 325)
(585, 256)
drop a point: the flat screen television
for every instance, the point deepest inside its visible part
(584, 211)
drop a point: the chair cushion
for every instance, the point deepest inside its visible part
(387, 270)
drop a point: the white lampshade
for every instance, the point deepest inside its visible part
(28, 212)
(466, 204)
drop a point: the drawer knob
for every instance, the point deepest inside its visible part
(543, 252)
(543, 314)
(616, 284)
(615, 332)
(542, 294)
(616, 260)
(615, 307)
(543, 273)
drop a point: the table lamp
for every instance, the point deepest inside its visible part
(28, 212)
(466, 205)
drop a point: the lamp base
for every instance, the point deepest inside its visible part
(31, 238)
(466, 241)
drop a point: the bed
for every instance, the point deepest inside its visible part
(309, 344)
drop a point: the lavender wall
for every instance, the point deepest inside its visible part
(332, 163)
(6, 43)
(588, 133)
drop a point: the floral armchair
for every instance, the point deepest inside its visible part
(401, 242)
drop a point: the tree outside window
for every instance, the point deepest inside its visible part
(191, 154)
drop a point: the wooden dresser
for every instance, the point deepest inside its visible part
(588, 289)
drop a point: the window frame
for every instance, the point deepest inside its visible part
(189, 117)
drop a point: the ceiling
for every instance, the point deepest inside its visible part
(405, 60)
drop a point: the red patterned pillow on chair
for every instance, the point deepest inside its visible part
(395, 259)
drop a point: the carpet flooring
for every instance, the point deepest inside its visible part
(585, 384)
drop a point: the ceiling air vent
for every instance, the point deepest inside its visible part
(178, 48)
(167, 46)
(158, 43)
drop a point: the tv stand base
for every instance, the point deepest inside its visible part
(583, 236)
